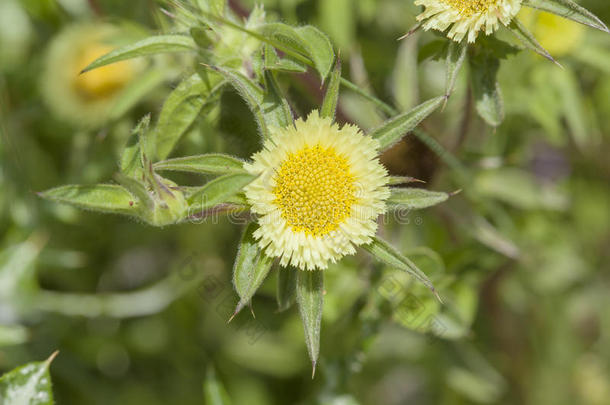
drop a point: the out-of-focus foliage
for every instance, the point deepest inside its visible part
(139, 314)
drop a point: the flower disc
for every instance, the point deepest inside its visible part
(319, 192)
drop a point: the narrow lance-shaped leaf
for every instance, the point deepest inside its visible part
(396, 180)
(384, 252)
(131, 159)
(213, 390)
(415, 198)
(218, 191)
(145, 47)
(29, 384)
(331, 98)
(212, 163)
(528, 40)
(276, 110)
(405, 83)
(456, 54)
(108, 198)
(286, 287)
(486, 90)
(568, 9)
(130, 163)
(250, 269)
(396, 128)
(180, 110)
(310, 299)
(18, 277)
(488, 235)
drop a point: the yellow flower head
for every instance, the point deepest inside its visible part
(319, 192)
(102, 82)
(467, 17)
(83, 99)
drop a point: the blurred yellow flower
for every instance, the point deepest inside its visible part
(84, 99)
(556, 34)
(104, 81)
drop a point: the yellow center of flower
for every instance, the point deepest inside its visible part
(468, 8)
(315, 190)
(104, 81)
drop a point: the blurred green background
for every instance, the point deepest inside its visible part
(139, 314)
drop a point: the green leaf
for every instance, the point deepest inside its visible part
(275, 106)
(213, 390)
(568, 9)
(251, 267)
(319, 48)
(434, 50)
(338, 18)
(138, 189)
(135, 91)
(310, 299)
(108, 198)
(456, 54)
(145, 47)
(331, 98)
(201, 37)
(18, 277)
(180, 110)
(12, 334)
(405, 83)
(131, 160)
(212, 163)
(269, 108)
(286, 287)
(306, 41)
(396, 180)
(28, 385)
(486, 90)
(252, 94)
(390, 256)
(528, 40)
(219, 190)
(488, 235)
(397, 127)
(573, 105)
(286, 64)
(415, 198)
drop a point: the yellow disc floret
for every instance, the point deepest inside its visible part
(471, 7)
(315, 190)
